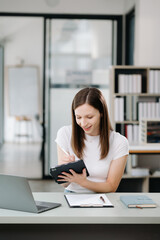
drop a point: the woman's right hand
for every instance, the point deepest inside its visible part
(63, 158)
(68, 158)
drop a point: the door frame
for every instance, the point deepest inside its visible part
(129, 49)
(1, 95)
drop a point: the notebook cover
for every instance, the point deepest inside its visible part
(77, 166)
(137, 201)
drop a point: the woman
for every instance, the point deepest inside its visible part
(92, 139)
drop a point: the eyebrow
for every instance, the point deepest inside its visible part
(90, 114)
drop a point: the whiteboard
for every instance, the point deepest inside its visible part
(23, 89)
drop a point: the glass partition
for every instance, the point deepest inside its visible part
(21, 47)
(79, 54)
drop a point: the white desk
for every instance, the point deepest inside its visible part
(116, 223)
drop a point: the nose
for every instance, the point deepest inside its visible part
(83, 122)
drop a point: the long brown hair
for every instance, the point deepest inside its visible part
(93, 97)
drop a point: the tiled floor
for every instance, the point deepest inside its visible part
(24, 160)
(45, 186)
(21, 159)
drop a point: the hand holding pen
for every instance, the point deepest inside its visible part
(67, 157)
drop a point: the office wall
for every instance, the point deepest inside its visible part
(147, 34)
(65, 6)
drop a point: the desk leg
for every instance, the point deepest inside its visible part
(145, 184)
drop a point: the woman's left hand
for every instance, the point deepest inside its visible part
(78, 178)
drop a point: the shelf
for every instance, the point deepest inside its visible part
(144, 148)
(154, 176)
(135, 96)
(127, 122)
(129, 176)
(144, 151)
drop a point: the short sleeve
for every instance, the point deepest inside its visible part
(120, 146)
(63, 137)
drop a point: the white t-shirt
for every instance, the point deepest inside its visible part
(97, 168)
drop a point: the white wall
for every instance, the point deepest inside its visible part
(64, 6)
(147, 34)
(129, 4)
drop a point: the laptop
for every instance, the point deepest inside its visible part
(15, 194)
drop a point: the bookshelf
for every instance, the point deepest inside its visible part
(135, 98)
(150, 130)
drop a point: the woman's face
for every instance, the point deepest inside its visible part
(88, 118)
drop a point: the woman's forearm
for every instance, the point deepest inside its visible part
(113, 179)
(99, 186)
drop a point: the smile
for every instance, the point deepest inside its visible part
(87, 129)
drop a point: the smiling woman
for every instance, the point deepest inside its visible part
(89, 122)
(92, 139)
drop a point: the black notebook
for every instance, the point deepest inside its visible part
(77, 166)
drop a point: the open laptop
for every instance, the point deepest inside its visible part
(15, 194)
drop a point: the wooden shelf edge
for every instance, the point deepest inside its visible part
(129, 176)
(143, 151)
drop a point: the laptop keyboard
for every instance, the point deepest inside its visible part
(39, 207)
(44, 206)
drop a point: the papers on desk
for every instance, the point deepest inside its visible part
(88, 200)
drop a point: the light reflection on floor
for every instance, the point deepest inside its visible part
(24, 160)
(21, 159)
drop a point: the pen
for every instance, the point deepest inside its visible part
(65, 152)
(139, 207)
(102, 199)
